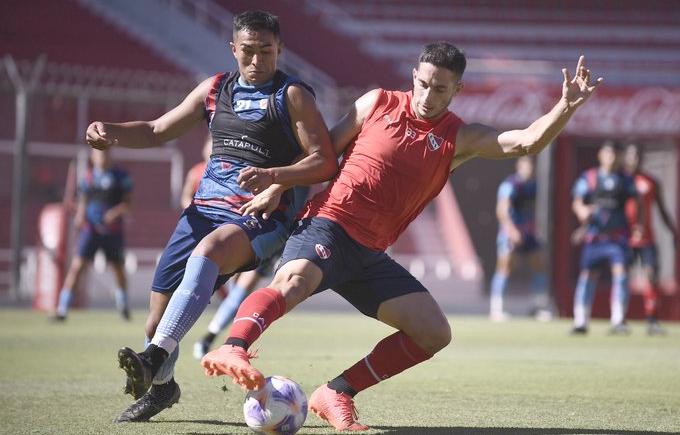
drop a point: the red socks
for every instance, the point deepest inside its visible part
(259, 310)
(392, 355)
(649, 296)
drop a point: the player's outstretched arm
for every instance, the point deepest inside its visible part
(146, 134)
(318, 162)
(478, 140)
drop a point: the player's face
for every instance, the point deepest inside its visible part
(256, 53)
(607, 158)
(631, 159)
(433, 89)
(525, 167)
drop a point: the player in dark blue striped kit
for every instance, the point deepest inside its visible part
(103, 202)
(267, 136)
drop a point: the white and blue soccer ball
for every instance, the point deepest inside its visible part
(279, 408)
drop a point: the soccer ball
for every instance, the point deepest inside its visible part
(279, 408)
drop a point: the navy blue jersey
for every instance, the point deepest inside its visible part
(522, 197)
(608, 193)
(250, 126)
(104, 190)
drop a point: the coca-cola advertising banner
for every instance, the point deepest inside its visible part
(610, 111)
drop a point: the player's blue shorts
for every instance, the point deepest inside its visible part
(90, 241)
(599, 253)
(266, 238)
(365, 278)
(647, 255)
(504, 246)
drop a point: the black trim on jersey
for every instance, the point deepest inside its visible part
(263, 143)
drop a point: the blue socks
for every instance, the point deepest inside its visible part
(583, 300)
(187, 303)
(65, 299)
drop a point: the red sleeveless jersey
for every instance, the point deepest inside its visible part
(395, 166)
(646, 187)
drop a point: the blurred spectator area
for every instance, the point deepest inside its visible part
(103, 66)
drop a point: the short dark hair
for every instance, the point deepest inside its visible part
(255, 21)
(444, 55)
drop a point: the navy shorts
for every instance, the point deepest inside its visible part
(266, 238)
(365, 278)
(90, 241)
(505, 247)
(596, 254)
(647, 255)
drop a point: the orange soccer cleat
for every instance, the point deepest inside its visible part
(335, 408)
(233, 361)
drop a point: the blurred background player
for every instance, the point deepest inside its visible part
(516, 211)
(104, 198)
(195, 174)
(600, 195)
(643, 243)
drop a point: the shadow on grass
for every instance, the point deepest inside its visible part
(414, 430)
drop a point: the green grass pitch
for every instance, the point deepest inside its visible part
(519, 377)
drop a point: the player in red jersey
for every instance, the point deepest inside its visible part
(399, 148)
(642, 242)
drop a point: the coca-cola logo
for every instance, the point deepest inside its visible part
(617, 112)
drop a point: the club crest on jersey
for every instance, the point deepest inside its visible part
(322, 251)
(252, 224)
(434, 142)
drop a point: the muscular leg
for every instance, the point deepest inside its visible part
(422, 331)
(240, 288)
(292, 284)
(223, 251)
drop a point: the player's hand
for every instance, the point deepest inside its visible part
(514, 235)
(579, 235)
(97, 136)
(109, 217)
(576, 90)
(264, 203)
(255, 180)
(636, 233)
(585, 213)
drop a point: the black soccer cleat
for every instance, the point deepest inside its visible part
(125, 314)
(138, 371)
(158, 398)
(57, 318)
(579, 330)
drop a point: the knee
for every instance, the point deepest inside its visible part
(293, 287)
(434, 336)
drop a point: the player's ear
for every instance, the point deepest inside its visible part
(233, 48)
(280, 48)
(459, 86)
